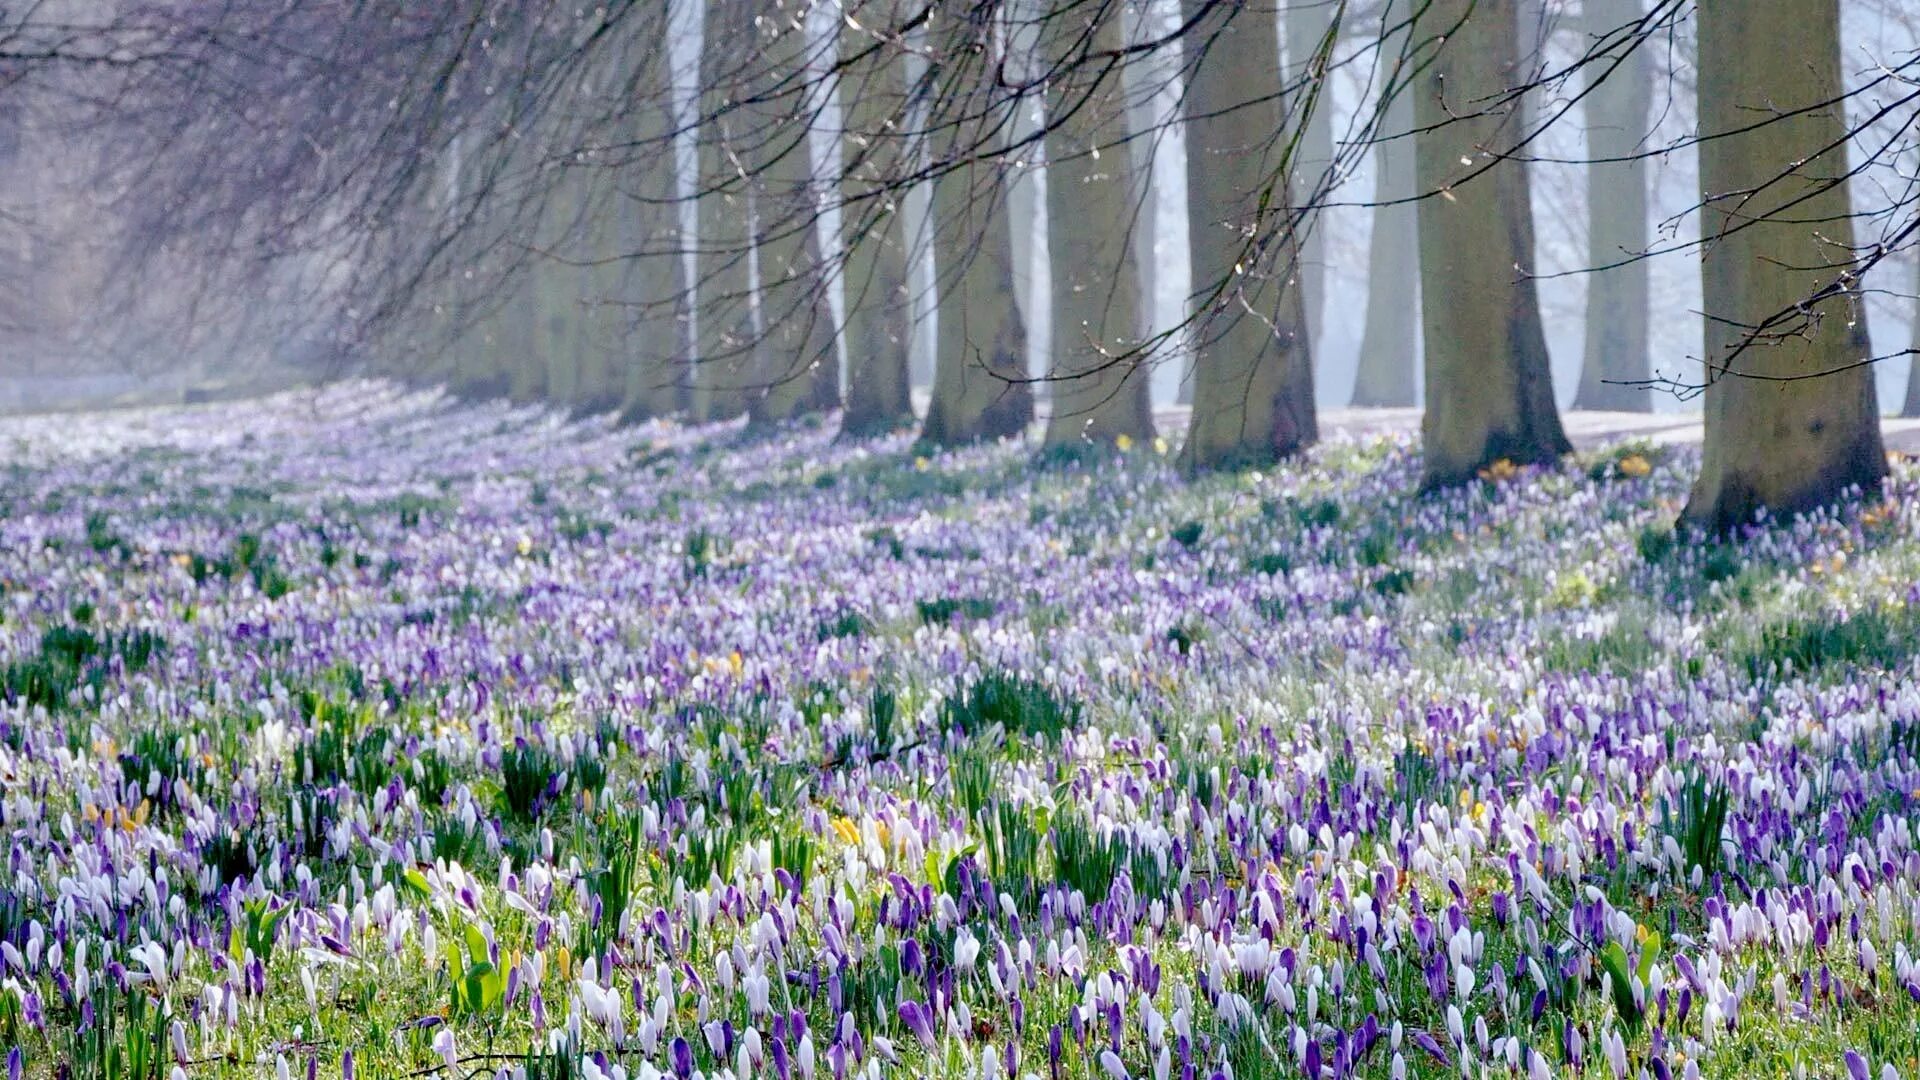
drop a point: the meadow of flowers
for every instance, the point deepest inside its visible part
(357, 733)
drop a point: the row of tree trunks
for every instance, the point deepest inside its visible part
(1791, 413)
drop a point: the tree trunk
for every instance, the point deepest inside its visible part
(1791, 416)
(1142, 75)
(1253, 366)
(1489, 381)
(1389, 341)
(980, 389)
(876, 154)
(1911, 407)
(1101, 389)
(723, 294)
(1615, 369)
(653, 341)
(1305, 25)
(560, 289)
(796, 367)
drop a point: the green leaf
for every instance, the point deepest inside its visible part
(950, 878)
(1613, 959)
(417, 881)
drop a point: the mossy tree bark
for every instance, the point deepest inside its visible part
(1489, 382)
(1101, 389)
(979, 389)
(1791, 416)
(1616, 366)
(723, 300)
(1389, 338)
(1253, 366)
(876, 151)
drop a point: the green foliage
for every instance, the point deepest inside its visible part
(883, 709)
(847, 624)
(1395, 582)
(1655, 543)
(1697, 819)
(126, 1041)
(794, 853)
(528, 779)
(259, 931)
(613, 883)
(1012, 845)
(70, 656)
(885, 536)
(1376, 549)
(1622, 976)
(1016, 703)
(1874, 637)
(1185, 636)
(1271, 564)
(710, 854)
(941, 612)
(476, 985)
(1187, 534)
(972, 780)
(1083, 859)
(455, 841)
(101, 537)
(701, 549)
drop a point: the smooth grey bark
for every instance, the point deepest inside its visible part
(1616, 365)
(1253, 366)
(1489, 380)
(1792, 419)
(795, 364)
(723, 296)
(654, 346)
(1310, 114)
(875, 151)
(1101, 387)
(980, 388)
(1389, 338)
(1911, 407)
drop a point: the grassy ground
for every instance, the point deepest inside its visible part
(358, 733)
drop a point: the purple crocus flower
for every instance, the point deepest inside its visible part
(919, 1021)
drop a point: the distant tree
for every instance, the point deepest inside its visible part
(1101, 389)
(1911, 406)
(1489, 384)
(1253, 366)
(1389, 339)
(1791, 415)
(723, 296)
(796, 365)
(1305, 28)
(875, 154)
(1615, 369)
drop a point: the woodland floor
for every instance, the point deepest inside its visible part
(359, 732)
